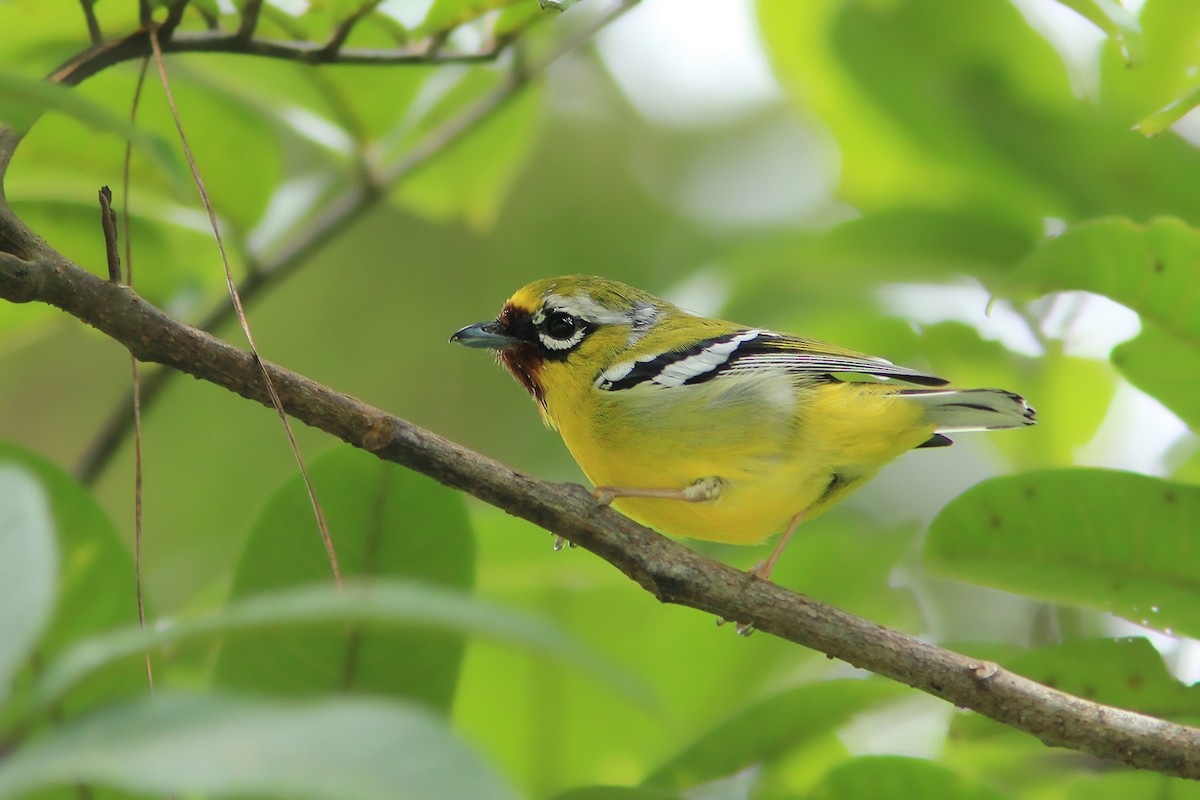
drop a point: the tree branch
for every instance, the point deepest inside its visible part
(669, 571)
(137, 45)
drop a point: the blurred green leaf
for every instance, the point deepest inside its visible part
(95, 583)
(1125, 785)
(27, 567)
(1164, 367)
(385, 522)
(1164, 76)
(898, 778)
(344, 748)
(769, 728)
(1120, 25)
(445, 15)
(953, 105)
(470, 179)
(1154, 269)
(1072, 395)
(1167, 116)
(1115, 541)
(375, 607)
(25, 100)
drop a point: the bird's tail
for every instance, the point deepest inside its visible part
(958, 410)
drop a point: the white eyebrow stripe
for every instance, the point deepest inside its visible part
(585, 308)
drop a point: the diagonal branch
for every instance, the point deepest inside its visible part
(670, 571)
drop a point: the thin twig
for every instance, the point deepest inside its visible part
(249, 18)
(670, 571)
(236, 299)
(174, 17)
(93, 24)
(108, 223)
(342, 32)
(136, 377)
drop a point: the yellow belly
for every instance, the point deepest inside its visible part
(777, 457)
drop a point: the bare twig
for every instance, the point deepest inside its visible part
(93, 24)
(236, 299)
(342, 32)
(174, 17)
(249, 18)
(136, 378)
(670, 571)
(108, 223)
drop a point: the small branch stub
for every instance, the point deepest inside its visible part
(108, 223)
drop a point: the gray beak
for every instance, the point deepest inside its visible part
(485, 335)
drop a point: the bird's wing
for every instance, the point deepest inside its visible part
(750, 349)
(810, 357)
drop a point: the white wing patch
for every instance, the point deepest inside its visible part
(707, 360)
(673, 369)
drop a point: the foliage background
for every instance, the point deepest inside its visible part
(900, 163)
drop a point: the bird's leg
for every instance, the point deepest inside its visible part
(763, 569)
(697, 491)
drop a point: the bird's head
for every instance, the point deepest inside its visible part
(565, 331)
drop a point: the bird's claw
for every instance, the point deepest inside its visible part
(743, 629)
(602, 496)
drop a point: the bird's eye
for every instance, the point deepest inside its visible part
(560, 325)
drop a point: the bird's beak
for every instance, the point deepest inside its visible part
(485, 334)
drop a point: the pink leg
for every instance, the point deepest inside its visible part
(764, 568)
(697, 491)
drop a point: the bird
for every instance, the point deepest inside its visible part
(708, 429)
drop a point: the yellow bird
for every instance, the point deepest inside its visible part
(713, 430)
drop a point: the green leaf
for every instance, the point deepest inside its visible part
(1164, 367)
(898, 778)
(1115, 541)
(28, 562)
(1071, 394)
(24, 100)
(770, 728)
(446, 15)
(1165, 117)
(1120, 25)
(471, 178)
(374, 608)
(1125, 785)
(1127, 673)
(345, 748)
(385, 522)
(1152, 92)
(1154, 269)
(95, 584)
